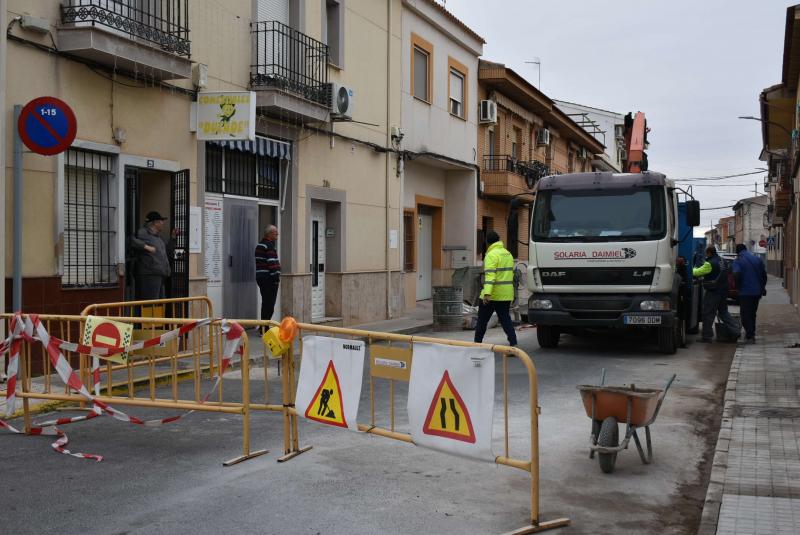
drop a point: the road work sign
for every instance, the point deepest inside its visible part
(329, 387)
(110, 334)
(451, 400)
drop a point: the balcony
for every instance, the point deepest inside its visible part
(289, 72)
(504, 176)
(147, 39)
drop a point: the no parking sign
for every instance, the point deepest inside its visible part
(47, 126)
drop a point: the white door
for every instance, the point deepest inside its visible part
(317, 260)
(425, 258)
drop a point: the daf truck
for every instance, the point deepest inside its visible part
(604, 253)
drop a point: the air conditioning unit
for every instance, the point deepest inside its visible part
(543, 137)
(488, 112)
(341, 100)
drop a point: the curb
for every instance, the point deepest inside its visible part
(716, 484)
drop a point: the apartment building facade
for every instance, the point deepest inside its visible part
(781, 152)
(605, 126)
(439, 58)
(751, 227)
(527, 138)
(134, 72)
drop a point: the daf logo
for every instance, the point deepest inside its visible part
(642, 273)
(554, 273)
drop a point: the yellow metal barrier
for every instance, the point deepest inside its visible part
(395, 346)
(135, 382)
(292, 446)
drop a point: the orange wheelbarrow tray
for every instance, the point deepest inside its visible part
(609, 405)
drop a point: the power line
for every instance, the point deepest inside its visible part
(718, 208)
(723, 177)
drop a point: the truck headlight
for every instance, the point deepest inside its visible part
(654, 305)
(541, 304)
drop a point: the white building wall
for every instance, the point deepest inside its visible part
(430, 127)
(606, 121)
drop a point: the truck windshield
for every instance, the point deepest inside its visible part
(634, 214)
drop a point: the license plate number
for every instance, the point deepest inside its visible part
(642, 320)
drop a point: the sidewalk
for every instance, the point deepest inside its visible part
(755, 477)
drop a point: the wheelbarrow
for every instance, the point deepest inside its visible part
(609, 406)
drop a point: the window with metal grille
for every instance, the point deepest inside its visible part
(241, 173)
(89, 220)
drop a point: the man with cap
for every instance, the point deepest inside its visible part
(152, 265)
(715, 283)
(751, 280)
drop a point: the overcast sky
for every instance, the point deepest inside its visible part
(692, 67)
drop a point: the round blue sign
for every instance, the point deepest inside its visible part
(47, 126)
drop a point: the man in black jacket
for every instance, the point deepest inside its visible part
(152, 260)
(268, 271)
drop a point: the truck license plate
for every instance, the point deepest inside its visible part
(642, 320)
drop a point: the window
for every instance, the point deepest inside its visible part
(408, 241)
(456, 93)
(334, 34)
(89, 216)
(241, 173)
(491, 144)
(626, 214)
(457, 88)
(421, 65)
(421, 74)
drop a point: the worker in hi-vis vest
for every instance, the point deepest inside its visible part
(498, 288)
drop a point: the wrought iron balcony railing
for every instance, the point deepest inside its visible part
(163, 23)
(530, 171)
(286, 59)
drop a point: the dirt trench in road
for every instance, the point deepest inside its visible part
(686, 503)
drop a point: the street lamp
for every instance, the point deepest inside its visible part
(537, 61)
(759, 119)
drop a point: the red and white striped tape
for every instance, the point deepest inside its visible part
(29, 329)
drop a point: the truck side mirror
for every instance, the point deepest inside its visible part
(693, 213)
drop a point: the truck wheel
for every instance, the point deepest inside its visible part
(667, 340)
(609, 438)
(547, 336)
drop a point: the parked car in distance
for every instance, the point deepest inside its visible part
(733, 292)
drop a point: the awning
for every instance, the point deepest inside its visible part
(263, 146)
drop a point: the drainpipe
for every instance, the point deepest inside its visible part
(388, 155)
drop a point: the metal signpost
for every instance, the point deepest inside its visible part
(47, 126)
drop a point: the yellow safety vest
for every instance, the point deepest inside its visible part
(498, 267)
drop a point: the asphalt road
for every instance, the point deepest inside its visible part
(171, 480)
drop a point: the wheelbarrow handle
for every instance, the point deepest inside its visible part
(669, 383)
(661, 400)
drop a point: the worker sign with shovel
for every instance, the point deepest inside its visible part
(329, 387)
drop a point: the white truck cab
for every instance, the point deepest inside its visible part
(603, 252)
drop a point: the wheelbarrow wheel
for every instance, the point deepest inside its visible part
(609, 438)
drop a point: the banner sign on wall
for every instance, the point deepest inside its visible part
(451, 399)
(329, 387)
(226, 115)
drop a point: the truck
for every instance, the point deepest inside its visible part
(605, 251)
